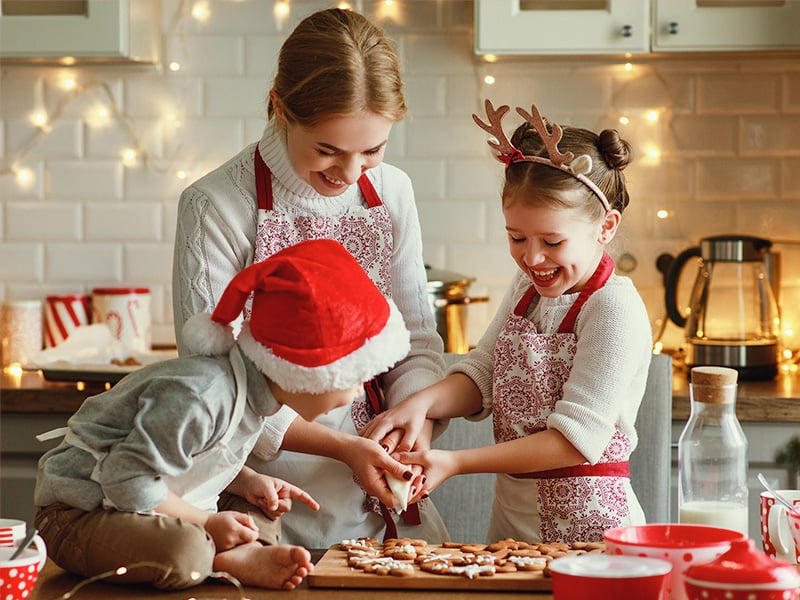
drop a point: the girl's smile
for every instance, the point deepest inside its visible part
(556, 247)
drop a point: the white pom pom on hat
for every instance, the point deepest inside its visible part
(318, 323)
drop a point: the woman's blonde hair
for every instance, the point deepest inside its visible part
(337, 63)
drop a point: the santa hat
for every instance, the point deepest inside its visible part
(317, 322)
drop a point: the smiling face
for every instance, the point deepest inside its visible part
(331, 155)
(558, 248)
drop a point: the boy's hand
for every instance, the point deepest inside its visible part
(274, 496)
(229, 529)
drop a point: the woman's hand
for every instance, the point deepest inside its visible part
(229, 529)
(399, 427)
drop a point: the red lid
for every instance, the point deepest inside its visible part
(64, 297)
(743, 564)
(118, 291)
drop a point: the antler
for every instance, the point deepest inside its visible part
(550, 139)
(506, 152)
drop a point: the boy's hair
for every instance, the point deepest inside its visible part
(337, 63)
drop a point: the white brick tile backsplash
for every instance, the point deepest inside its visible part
(84, 180)
(723, 156)
(94, 262)
(771, 135)
(735, 93)
(130, 221)
(206, 55)
(21, 262)
(147, 262)
(171, 97)
(245, 97)
(51, 221)
(737, 178)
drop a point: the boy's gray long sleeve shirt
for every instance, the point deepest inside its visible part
(151, 424)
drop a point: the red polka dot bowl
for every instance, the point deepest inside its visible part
(681, 544)
(743, 573)
(610, 577)
(18, 576)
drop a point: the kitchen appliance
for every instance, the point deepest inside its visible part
(447, 295)
(733, 318)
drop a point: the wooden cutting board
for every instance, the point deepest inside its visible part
(332, 571)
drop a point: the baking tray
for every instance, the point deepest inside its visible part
(332, 571)
(98, 372)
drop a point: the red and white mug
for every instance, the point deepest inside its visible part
(776, 535)
(126, 311)
(63, 315)
(18, 576)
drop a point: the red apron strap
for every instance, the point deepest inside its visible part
(609, 469)
(369, 192)
(374, 391)
(596, 281)
(525, 302)
(263, 182)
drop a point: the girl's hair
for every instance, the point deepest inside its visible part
(337, 63)
(539, 183)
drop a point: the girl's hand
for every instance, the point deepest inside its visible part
(229, 529)
(274, 496)
(438, 466)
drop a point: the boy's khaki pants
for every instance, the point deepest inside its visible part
(166, 552)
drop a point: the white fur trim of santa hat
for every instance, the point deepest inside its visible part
(203, 335)
(377, 355)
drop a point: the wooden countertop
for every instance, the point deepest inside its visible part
(757, 401)
(53, 583)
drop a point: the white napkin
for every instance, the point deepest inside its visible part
(400, 489)
(87, 344)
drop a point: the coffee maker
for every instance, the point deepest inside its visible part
(733, 319)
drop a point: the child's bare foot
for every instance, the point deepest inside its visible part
(274, 567)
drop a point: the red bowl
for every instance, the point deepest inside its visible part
(679, 543)
(608, 577)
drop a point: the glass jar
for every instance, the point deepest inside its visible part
(712, 454)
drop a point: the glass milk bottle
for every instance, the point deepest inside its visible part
(712, 454)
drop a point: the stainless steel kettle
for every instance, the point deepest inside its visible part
(733, 318)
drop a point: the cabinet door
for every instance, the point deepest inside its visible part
(562, 26)
(727, 25)
(107, 29)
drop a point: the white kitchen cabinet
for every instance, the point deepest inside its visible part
(96, 30)
(544, 27)
(732, 25)
(563, 27)
(763, 440)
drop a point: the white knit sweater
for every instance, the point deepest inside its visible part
(609, 372)
(215, 239)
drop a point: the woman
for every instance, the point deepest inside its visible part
(317, 172)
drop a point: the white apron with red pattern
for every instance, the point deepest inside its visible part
(345, 510)
(571, 504)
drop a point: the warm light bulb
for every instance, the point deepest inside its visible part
(628, 67)
(129, 156)
(490, 58)
(68, 84)
(624, 120)
(344, 6)
(39, 119)
(280, 11)
(102, 112)
(662, 214)
(652, 116)
(489, 80)
(68, 61)
(182, 174)
(174, 66)
(652, 152)
(201, 11)
(24, 176)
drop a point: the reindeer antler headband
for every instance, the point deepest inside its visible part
(563, 161)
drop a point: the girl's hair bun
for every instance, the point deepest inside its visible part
(615, 151)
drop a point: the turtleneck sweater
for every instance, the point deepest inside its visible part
(216, 232)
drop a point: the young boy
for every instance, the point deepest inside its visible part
(137, 477)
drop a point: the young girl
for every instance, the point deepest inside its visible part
(317, 172)
(135, 481)
(562, 367)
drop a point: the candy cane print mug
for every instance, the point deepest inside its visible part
(126, 312)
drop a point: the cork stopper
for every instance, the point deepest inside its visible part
(713, 384)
